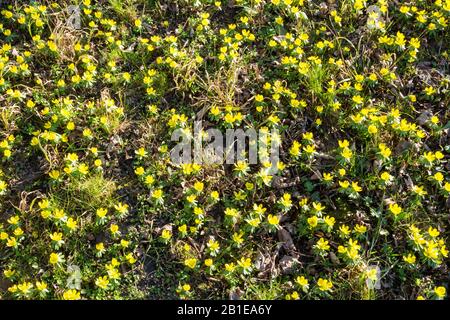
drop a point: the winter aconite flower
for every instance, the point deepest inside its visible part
(324, 284)
(395, 209)
(71, 294)
(190, 263)
(440, 292)
(55, 258)
(102, 282)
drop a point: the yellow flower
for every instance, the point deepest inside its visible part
(56, 236)
(102, 282)
(141, 152)
(54, 174)
(124, 243)
(302, 282)
(41, 286)
(139, 171)
(113, 273)
(25, 287)
(322, 245)
(279, 20)
(434, 120)
(385, 176)
(372, 275)
(101, 212)
(241, 167)
(344, 184)
(429, 90)
(126, 76)
(447, 187)
(9, 273)
(429, 156)
(18, 232)
(318, 207)
(230, 267)
(71, 294)
(309, 149)
(438, 176)
(114, 228)
(130, 258)
(59, 214)
(359, 228)
(213, 246)
(324, 284)
(273, 220)
(208, 262)
(356, 187)
(346, 153)
(358, 99)
(433, 232)
(245, 263)
(100, 246)
(419, 190)
(186, 287)
(344, 229)
(198, 186)
(286, 201)
(343, 144)
(313, 221)
(259, 98)
(55, 258)
(395, 209)
(191, 263)
(231, 212)
(14, 220)
(384, 151)
(430, 251)
(157, 194)
(295, 148)
(372, 129)
(191, 199)
(3, 236)
(308, 136)
(238, 238)
(439, 155)
(198, 211)
(440, 292)
(3, 186)
(71, 224)
(149, 180)
(329, 221)
(410, 258)
(83, 169)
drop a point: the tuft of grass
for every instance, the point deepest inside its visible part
(89, 193)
